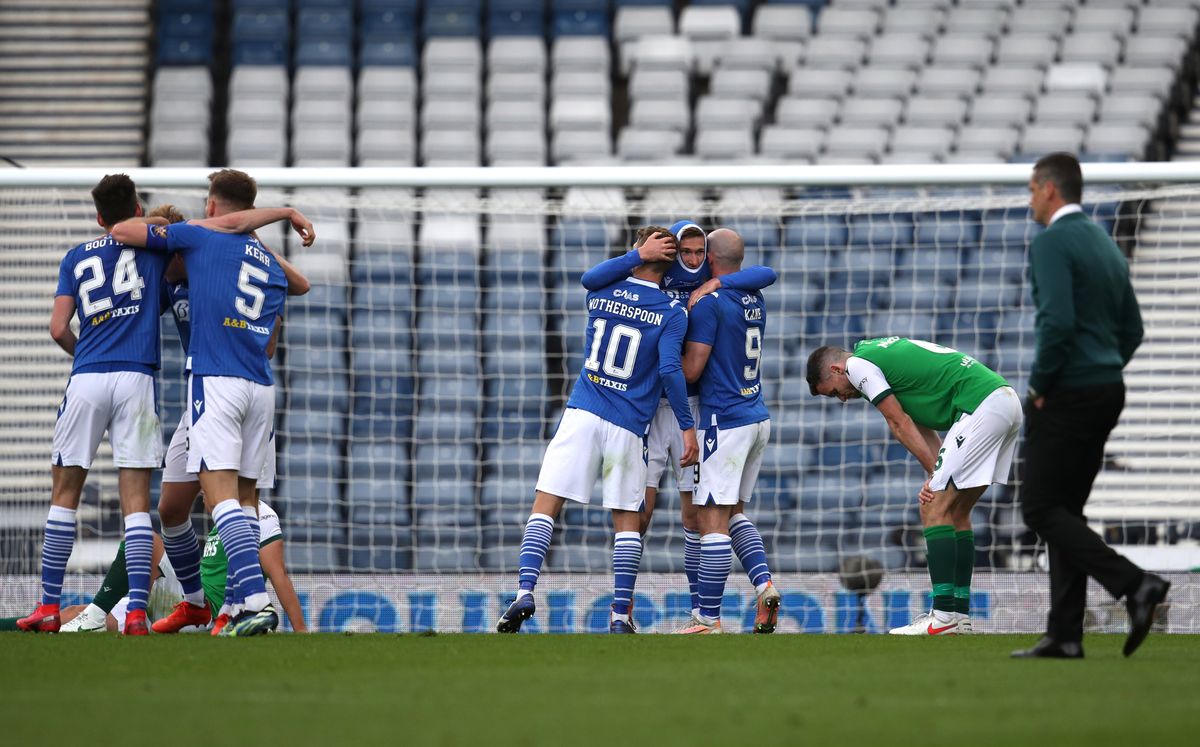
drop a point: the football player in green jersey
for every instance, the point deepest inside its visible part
(923, 389)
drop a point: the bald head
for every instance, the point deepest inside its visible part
(725, 251)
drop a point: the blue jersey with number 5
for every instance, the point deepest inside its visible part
(732, 322)
(236, 290)
(116, 290)
(634, 337)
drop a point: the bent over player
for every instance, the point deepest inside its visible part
(922, 388)
(634, 336)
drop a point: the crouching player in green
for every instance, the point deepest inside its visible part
(922, 388)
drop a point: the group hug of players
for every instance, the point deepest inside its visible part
(671, 377)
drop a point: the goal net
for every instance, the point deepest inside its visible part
(423, 375)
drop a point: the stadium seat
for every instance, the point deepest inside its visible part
(380, 548)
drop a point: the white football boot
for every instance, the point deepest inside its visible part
(964, 624)
(928, 624)
(91, 620)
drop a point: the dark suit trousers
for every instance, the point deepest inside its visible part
(1064, 449)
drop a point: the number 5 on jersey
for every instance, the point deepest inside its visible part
(254, 309)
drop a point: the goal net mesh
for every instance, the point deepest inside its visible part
(421, 378)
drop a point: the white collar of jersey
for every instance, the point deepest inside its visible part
(646, 283)
(1072, 207)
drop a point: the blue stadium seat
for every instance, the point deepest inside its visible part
(575, 234)
(969, 331)
(324, 52)
(184, 6)
(261, 25)
(440, 397)
(804, 265)
(461, 20)
(443, 461)
(454, 265)
(786, 459)
(921, 293)
(311, 425)
(527, 362)
(516, 394)
(996, 263)
(931, 263)
(393, 266)
(383, 393)
(835, 329)
(508, 330)
(504, 268)
(516, 18)
(186, 25)
(505, 501)
(852, 458)
(312, 459)
(949, 230)
(391, 23)
(988, 295)
(384, 296)
(380, 329)
(329, 22)
(512, 426)
(315, 500)
(302, 358)
(379, 504)
(379, 461)
(442, 495)
(501, 549)
(381, 548)
(1008, 228)
(1017, 324)
(761, 235)
(187, 51)
(319, 391)
(580, 23)
(815, 232)
(463, 362)
(1013, 358)
(888, 231)
(446, 549)
(394, 6)
(918, 325)
(318, 548)
(520, 461)
(387, 52)
(322, 297)
(443, 297)
(240, 5)
(854, 425)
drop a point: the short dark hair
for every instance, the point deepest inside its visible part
(649, 232)
(1063, 170)
(818, 363)
(690, 232)
(115, 198)
(237, 189)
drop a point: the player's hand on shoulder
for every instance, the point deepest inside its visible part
(304, 227)
(709, 286)
(659, 248)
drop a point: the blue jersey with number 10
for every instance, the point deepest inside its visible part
(236, 290)
(116, 290)
(633, 343)
(732, 322)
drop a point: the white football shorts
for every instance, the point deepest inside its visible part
(979, 448)
(175, 469)
(121, 402)
(730, 460)
(664, 446)
(586, 447)
(231, 421)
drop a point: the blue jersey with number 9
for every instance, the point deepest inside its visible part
(116, 290)
(236, 291)
(732, 322)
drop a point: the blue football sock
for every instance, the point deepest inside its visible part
(748, 545)
(716, 558)
(536, 542)
(183, 550)
(627, 556)
(57, 542)
(237, 537)
(691, 564)
(139, 554)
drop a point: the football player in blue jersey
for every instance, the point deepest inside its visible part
(114, 291)
(236, 290)
(689, 274)
(634, 337)
(724, 349)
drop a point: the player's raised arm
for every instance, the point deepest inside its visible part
(134, 231)
(701, 334)
(298, 284)
(755, 277)
(248, 221)
(656, 247)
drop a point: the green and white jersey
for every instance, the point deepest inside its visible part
(214, 565)
(935, 385)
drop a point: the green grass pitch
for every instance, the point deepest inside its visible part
(816, 690)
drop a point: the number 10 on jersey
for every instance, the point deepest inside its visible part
(624, 369)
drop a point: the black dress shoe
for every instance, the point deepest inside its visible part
(1048, 648)
(1141, 603)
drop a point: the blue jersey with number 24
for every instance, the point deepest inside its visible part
(116, 290)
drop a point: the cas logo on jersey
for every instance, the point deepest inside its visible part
(627, 295)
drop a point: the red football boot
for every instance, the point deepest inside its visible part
(184, 615)
(135, 623)
(221, 621)
(45, 619)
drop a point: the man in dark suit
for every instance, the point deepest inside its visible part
(1088, 326)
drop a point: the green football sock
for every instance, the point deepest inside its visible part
(115, 584)
(964, 565)
(940, 552)
(9, 623)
